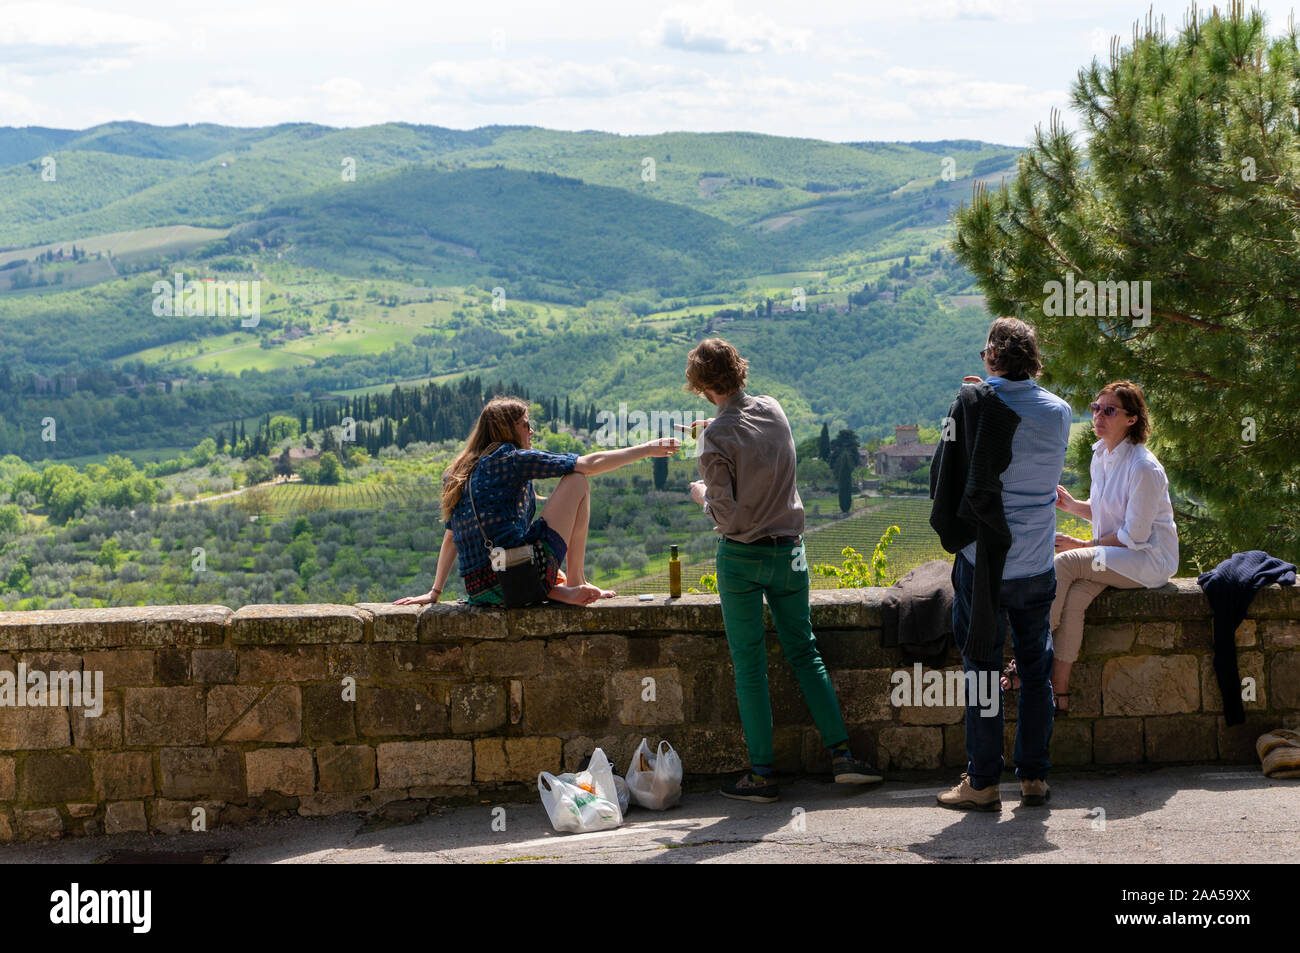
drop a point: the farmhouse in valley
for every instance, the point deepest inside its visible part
(905, 454)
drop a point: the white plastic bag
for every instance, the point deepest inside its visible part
(586, 801)
(624, 795)
(655, 780)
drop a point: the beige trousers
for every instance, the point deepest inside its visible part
(1077, 584)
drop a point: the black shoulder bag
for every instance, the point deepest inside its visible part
(519, 569)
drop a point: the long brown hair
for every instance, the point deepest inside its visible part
(495, 425)
(1134, 403)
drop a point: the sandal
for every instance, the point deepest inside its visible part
(1057, 710)
(1010, 681)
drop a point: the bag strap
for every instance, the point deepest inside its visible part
(469, 485)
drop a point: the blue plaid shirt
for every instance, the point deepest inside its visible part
(503, 493)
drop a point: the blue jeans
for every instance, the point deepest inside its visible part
(1025, 605)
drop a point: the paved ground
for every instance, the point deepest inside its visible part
(1186, 815)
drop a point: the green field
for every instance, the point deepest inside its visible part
(286, 499)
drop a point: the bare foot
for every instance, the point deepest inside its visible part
(582, 595)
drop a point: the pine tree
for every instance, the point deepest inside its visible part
(1185, 179)
(824, 443)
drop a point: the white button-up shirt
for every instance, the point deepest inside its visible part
(1130, 498)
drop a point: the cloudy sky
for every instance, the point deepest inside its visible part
(844, 71)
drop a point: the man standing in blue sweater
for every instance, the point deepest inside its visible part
(1028, 583)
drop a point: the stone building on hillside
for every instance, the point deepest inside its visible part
(905, 454)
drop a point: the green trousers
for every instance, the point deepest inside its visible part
(747, 573)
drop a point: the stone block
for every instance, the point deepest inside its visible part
(515, 759)
(719, 750)
(179, 817)
(855, 649)
(28, 729)
(8, 778)
(477, 707)
(276, 665)
(83, 809)
(428, 659)
(275, 717)
(521, 659)
(1284, 679)
(1249, 665)
(1107, 639)
(864, 696)
(911, 748)
(120, 775)
(214, 666)
(298, 624)
(121, 667)
(1117, 741)
(201, 773)
(1236, 743)
(98, 731)
(453, 622)
(1281, 633)
(121, 817)
(354, 660)
(1151, 685)
(1158, 635)
(43, 824)
(691, 648)
(710, 695)
(384, 710)
(566, 703)
(172, 666)
(403, 764)
(345, 768)
(1071, 742)
(954, 746)
(287, 771)
(131, 626)
(1181, 738)
(390, 623)
(641, 702)
(1085, 689)
(49, 777)
(164, 716)
(327, 715)
(599, 652)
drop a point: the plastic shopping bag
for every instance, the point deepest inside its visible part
(655, 779)
(624, 795)
(586, 801)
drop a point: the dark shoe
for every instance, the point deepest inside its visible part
(751, 787)
(1034, 793)
(854, 771)
(966, 798)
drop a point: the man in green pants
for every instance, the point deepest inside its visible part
(747, 462)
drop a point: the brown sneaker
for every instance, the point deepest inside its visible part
(1034, 793)
(966, 798)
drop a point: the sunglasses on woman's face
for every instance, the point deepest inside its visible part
(1103, 409)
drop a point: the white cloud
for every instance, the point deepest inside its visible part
(1002, 10)
(37, 28)
(717, 27)
(237, 106)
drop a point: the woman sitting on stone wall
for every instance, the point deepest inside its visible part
(1135, 542)
(499, 460)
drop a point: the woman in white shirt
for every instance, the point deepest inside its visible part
(1135, 543)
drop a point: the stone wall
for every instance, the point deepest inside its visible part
(330, 708)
